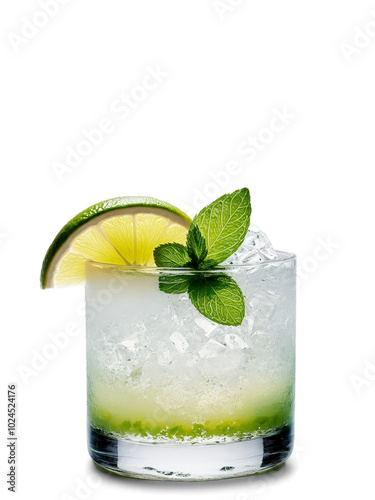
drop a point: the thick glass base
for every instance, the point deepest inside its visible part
(192, 462)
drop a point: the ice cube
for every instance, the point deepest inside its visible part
(191, 359)
(212, 349)
(263, 304)
(258, 333)
(207, 326)
(128, 367)
(165, 357)
(113, 359)
(139, 328)
(233, 341)
(249, 320)
(255, 248)
(130, 343)
(179, 342)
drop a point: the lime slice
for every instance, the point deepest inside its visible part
(121, 231)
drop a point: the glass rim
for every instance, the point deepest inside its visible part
(283, 257)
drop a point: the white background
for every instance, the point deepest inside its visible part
(228, 70)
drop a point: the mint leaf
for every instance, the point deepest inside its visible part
(171, 255)
(215, 234)
(218, 298)
(206, 264)
(224, 224)
(196, 245)
(174, 284)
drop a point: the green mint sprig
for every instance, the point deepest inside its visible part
(224, 224)
(216, 232)
(196, 246)
(171, 255)
(219, 298)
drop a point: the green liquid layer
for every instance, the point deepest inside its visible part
(207, 430)
(254, 414)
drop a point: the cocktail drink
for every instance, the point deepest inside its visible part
(174, 395)
(191, 367)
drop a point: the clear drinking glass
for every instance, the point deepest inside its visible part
(173, 395)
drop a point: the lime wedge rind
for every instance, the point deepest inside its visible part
(94, 216)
